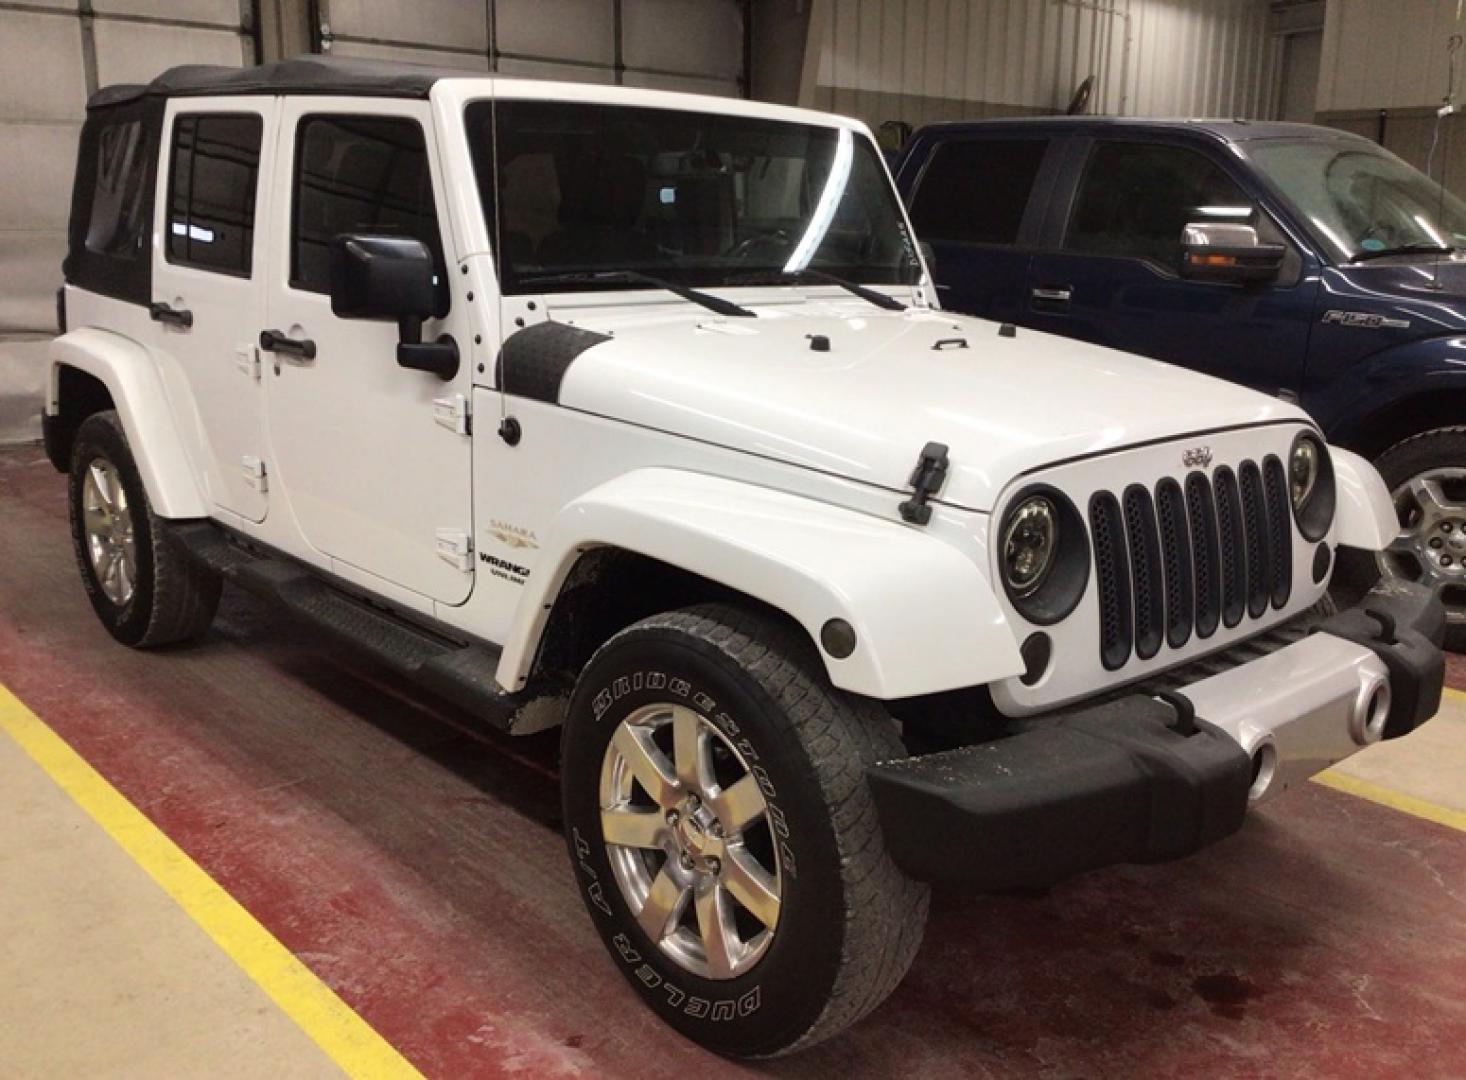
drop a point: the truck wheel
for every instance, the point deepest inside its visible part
(723, 835)
(1426, 474)
(145, 592)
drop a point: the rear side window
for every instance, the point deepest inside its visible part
(214, 175)
(118, 225)
(358, 174)
(1135, 198)
(975, 191)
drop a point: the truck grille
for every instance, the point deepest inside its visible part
(1187, 558)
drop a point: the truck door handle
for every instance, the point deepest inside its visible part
(277, 342)
(1060, 295)
(158, 311)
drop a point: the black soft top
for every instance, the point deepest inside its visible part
(300, 75)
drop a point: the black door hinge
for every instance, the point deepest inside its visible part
(931, 472)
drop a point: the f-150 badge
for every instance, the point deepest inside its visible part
(1365, 319)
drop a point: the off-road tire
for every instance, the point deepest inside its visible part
(173, 599)
(850, 921)
(1430, 450)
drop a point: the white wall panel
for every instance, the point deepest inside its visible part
(540, 28)
(454, 23)
(539, 69)
(704, 37)
(1393, 55)
(1149, 57)
(52, 90)
(411, 54)
(132, 52)
(216, 12)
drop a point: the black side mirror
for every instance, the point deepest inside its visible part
(1228, 252)
(393, 277)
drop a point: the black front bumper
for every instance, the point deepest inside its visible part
(1134, 779)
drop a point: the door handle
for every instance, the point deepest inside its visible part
(158, 311)
(277, 342)
(1059, 295)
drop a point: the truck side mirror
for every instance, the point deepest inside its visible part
(393, 277)
(1228, 252)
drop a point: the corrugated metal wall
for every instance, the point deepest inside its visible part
(923, 60)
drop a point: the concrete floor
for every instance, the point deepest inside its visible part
(414, 864)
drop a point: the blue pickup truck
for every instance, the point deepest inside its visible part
(1303, 261)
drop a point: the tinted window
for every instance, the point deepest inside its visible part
(1136, 198)
(695, 198)
(358, 174)
(975, 190)
(118, 225)
(211, 191)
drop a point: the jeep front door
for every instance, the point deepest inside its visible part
(1114, 277)
(373, 458)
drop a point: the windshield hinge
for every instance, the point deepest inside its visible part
(931, 472)
(455, 547)
(452, 413)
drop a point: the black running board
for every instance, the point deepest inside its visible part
(461, 674)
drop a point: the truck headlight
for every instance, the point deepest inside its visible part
(1029, 540)
(1311, 485)
(1043, 554)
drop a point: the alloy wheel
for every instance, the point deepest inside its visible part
(687, 833)
(107, 523)
(1431, 548)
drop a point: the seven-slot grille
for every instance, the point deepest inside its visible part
(1186, 558)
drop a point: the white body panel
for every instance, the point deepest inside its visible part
(1366, 516)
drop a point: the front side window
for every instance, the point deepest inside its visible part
(1136, 198)
(975, 191)
(691, 198)
(117, 225)
(211, 191)
(358, 174)
(1360, 200)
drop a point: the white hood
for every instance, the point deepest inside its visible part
(864, 409)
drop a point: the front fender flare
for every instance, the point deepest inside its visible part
(1366, 515)
(131, 376)
(925, 618)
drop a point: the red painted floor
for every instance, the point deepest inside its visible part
(415, 865)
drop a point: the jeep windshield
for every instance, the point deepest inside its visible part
(1360, 201)
(582, 196)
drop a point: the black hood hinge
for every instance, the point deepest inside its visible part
(927, 480)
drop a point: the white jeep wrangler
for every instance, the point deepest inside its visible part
(635, 411)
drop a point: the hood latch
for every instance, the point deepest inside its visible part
(927, 480)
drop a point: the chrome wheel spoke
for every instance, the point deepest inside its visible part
(633, 828)
(751, 886)
(1431, 498)
(648, 764)
(95, 520)
(664, 906)
(690, 750)
(739, 805)
(715, 927)
(101, 477)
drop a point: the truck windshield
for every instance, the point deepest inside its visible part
(571, 190)
(1359, 200)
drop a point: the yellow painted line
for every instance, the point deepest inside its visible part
(1457, 695)
(345, 1037)
(1395, 800)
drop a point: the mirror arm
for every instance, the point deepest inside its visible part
(409, 330)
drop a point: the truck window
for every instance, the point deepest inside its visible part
(974, 191)
(1135, 198)
(212, 180)
(118, 223)
(358, 174)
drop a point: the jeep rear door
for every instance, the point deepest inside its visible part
(976, 199)
(1109, 271)
(374, 459)
(208, 285)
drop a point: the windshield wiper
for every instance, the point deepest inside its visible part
(1403, 249)
(879, 299)
(707, 300)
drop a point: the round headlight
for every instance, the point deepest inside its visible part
(1303, 470)
(1311, 485)
(1029, 542)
